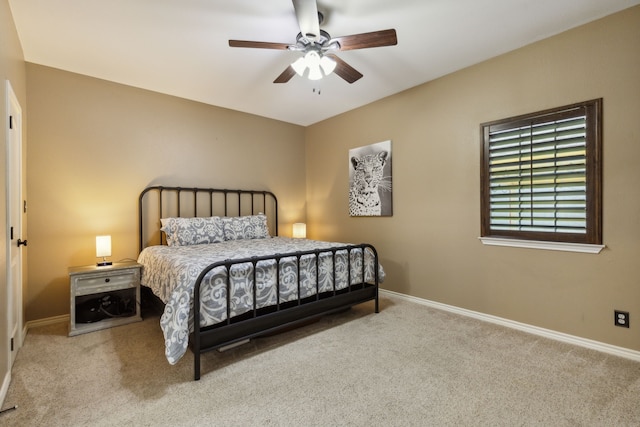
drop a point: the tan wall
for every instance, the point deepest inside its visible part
(430, 246)
(94, 145)
(12, 69)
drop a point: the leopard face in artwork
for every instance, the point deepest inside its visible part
(368, 179)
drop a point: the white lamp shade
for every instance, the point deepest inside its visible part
(313, 63)
(299, 230)
(103, 246)
(328, 65)
(314, 73)
(300, 66)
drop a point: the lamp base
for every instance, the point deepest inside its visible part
(104, 263)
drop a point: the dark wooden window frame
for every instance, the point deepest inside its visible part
(593, 235)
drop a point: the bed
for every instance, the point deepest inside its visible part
(214, 258)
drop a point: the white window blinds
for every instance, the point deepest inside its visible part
(537, 177)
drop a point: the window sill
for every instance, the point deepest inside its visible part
(536, 244)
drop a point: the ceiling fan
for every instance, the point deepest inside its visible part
(317, 46)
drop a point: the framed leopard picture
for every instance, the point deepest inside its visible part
(370, 190)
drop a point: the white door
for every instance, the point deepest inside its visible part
(14, 220)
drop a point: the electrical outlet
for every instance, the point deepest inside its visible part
(621, 318)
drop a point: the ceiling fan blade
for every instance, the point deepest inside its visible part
(344, 70)
(286, 75)
(307, 14)
(366, 40)
(258, 45)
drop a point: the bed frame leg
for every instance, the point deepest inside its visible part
(196, 365)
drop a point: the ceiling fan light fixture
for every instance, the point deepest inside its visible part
(328, 65)
(314, 73)
(318, 65)
(312, 58)
(300, 65)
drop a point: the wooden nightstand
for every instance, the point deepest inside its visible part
(103, 297)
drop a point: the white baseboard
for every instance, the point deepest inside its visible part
(5, 388)
(44, 322)
(547, 333)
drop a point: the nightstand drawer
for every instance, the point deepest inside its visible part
(94, 285)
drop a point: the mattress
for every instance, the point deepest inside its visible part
(171, 272)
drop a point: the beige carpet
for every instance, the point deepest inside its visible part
(408, 365)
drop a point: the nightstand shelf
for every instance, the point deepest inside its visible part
(104, 297)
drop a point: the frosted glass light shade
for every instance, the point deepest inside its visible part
(299, 230)
(328, 65)
(103, 246)
(317, 64)
(314, 73)
(299, 66)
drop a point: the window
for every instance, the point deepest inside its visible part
(541, 175)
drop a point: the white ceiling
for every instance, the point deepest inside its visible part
(180, 47)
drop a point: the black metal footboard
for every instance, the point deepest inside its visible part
(260, 321)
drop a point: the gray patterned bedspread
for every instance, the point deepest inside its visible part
(171, 273)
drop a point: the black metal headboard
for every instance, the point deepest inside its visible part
(158, 202)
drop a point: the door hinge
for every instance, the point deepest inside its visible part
(11, 234)
(11, 344)
(10, 122)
